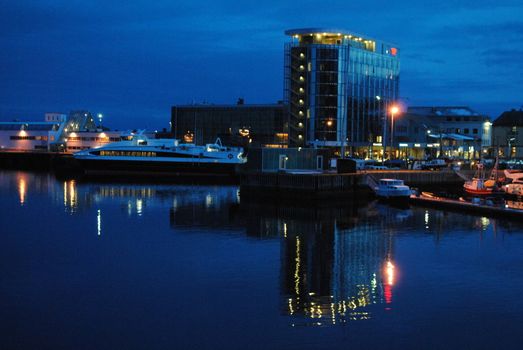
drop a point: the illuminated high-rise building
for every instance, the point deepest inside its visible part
(339, 87)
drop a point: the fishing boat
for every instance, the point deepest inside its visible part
(481, 185)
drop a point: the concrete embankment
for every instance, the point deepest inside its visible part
(324, 185)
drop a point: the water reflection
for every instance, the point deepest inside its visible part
(333, 270)
(337, 263)
(22, 186)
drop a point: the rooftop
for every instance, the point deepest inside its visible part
(332, 32)
(510, 118)
(444, 111)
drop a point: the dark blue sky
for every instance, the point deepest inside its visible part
(132, 60)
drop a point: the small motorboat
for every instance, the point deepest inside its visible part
(392, 189)
(514, 187)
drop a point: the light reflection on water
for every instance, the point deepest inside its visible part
(338, 264)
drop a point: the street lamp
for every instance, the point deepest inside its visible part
(393, 110)
(100, 117)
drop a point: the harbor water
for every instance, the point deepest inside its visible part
(99, 265)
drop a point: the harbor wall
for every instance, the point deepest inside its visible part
(319, 186)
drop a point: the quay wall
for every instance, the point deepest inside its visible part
(318, 186)
(28, 160)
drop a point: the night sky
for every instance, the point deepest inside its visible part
(133, 60)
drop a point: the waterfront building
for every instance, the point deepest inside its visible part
(507, 134)
(446, 131)
(28, 136)
(59, 132)
(339, 87)
(241, 124)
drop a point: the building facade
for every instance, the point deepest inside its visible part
(442, 131)
(507, 135)
(338, 87)
(59, 132)
(239, 124)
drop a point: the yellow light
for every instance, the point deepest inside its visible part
(394, 109)
(22, 188)
(329, 123)
(22, 133)
(389, 272)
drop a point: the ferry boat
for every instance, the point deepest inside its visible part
(143, 156)
(392, 189)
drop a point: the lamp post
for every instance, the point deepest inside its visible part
(393, 110)
(100, 117)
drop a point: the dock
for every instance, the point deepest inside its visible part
(506, 211)
(316, 185)
(32, 160)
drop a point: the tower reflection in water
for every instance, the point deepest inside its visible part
(335, 268)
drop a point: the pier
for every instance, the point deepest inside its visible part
(330, 185)
(472, 208)
(32, 160)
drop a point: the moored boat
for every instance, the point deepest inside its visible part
(392, 189)
(143, 156)
(515, 185)
(480, 185)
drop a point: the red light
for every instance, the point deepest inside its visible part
(393, 51)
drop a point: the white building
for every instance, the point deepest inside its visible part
(28, 136)
(59, 132)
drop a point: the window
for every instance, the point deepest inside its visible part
(465, 131)
(475, 131)
(22, 138)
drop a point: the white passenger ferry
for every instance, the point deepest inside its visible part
(141, 155)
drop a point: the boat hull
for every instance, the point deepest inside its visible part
(102, 167)
(480, 192)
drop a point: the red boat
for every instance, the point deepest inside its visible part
(480, 185)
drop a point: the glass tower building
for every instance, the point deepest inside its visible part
(338, 88)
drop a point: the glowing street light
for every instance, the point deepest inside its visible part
(100, 117)
(393, 110)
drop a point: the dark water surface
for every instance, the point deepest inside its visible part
(122, 266)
